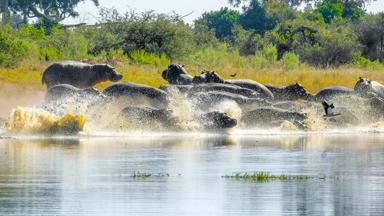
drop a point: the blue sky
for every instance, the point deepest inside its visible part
(89, 12)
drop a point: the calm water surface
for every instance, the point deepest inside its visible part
(94, 176)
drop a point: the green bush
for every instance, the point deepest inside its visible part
(290, 61)
(13, 50)
(142, 57)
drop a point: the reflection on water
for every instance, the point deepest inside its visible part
(93, 176)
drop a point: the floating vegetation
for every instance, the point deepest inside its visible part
(144, 175)
(261, 177)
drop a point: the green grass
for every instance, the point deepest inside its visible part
(28, 73)
(261, 177)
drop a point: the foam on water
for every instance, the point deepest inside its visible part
(30, 120)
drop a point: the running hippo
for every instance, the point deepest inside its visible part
(143, 116)
(208, 87)
(268, 116)
(136, 91)
(64, 90)
(290, 92)
(365, 87)
(332, 91)
(150, 117)
(263, 91)
(176, 75)
(79, 74)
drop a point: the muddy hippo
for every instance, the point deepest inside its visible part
(136, 90)
(79, 74)
(208, 77)
(365, 87)
(266, 116)
(64, 90)
(332, 91)
(208, 87)
(263, 91)
(290, 92)
(176, 74)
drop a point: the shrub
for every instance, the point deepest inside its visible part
(13, 50)
(290, 61)
(142, 57)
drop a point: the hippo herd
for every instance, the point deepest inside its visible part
(208, 93)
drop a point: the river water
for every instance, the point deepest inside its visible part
(94, 176)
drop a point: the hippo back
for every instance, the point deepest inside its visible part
(332, 91)
(255, 86)
(133, 89)
(61, 91)
(267, 114)
(378, 88)
(224, 88)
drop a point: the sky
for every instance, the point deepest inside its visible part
(89, 12)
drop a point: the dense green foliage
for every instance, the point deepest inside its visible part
(48, 12)
(256, 33)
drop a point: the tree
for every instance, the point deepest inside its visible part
(221, 22)
(291, 3)
(49, 12)
(371, 35)
(330, 9)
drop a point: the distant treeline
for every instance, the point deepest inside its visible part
(259, 33)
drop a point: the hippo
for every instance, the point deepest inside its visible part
(365, 87)
(263, 91)
(147, 116)
(136, 90)
(267, 115)
(332, 91)
(208, 77)
(217, 120)
(205, 100)
(176, 75)
(224, 88)
(290, 92)
(79, 74)
(65, 90)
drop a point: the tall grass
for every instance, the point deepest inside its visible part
(141, 67)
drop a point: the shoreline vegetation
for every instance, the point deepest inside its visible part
(328, 42)
(28, 74)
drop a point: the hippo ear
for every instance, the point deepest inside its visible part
(360, 78)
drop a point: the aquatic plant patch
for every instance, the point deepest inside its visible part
(261, 177)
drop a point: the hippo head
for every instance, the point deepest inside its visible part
(219, 120)
(110, 73)
(363, 86)
(208, 77)
(173, 72)
(298, 91)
